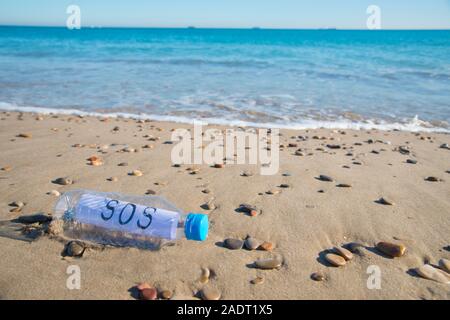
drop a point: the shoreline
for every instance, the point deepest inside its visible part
(414, 125)
(302, 216)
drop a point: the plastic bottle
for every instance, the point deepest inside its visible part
(147, 222)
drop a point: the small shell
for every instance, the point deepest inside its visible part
(136, 173)
(204, 278)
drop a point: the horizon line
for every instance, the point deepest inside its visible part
(226, 28)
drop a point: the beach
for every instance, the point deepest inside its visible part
(300, 214)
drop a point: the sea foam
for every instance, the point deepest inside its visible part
(414, 125)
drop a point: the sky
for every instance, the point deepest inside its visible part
(291, 14)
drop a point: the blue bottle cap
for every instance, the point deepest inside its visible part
(196, 227)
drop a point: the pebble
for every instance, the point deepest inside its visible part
(75, 249)
(128, 149)
(210, 205)
(404, 150)
(113, 179)
(143, 285)
(194, 171)
(252, 243)
(247, 174)
(166, 294)
(219, 166)
(17, 204)
(150, 192)
(344, 185)
(254, 213)
(97, 163)
(247, 208)
(183, 298)
(267, 264)
(318, 276)
(257, 280)
(445, 146)
(386, 201)
(123, 164)
(432, 179)
(333, 146)
(93, 158)
(6, 168)
(204, 278)
(266, 246)
(356, 248)
(335, 260)
(136, 173)
(346, 254)
(149, 294)
(210, 293)
(63, 181)
(431, 273)
(273, 192)
(55, 193)
(234, 244)
(206, 191)
(325, 178)
(25, 135)
(284, 185)
(35, 218)
(444, 264)
(391, 249)
(411, 161)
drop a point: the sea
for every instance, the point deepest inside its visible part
(299, 79)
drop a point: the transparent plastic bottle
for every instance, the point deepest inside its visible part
(147, 222)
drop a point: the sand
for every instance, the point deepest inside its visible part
(301, 222)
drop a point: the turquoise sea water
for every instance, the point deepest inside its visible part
(284, 78)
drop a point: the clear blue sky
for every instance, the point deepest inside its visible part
(396, 14)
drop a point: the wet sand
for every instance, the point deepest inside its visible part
(299, 221)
